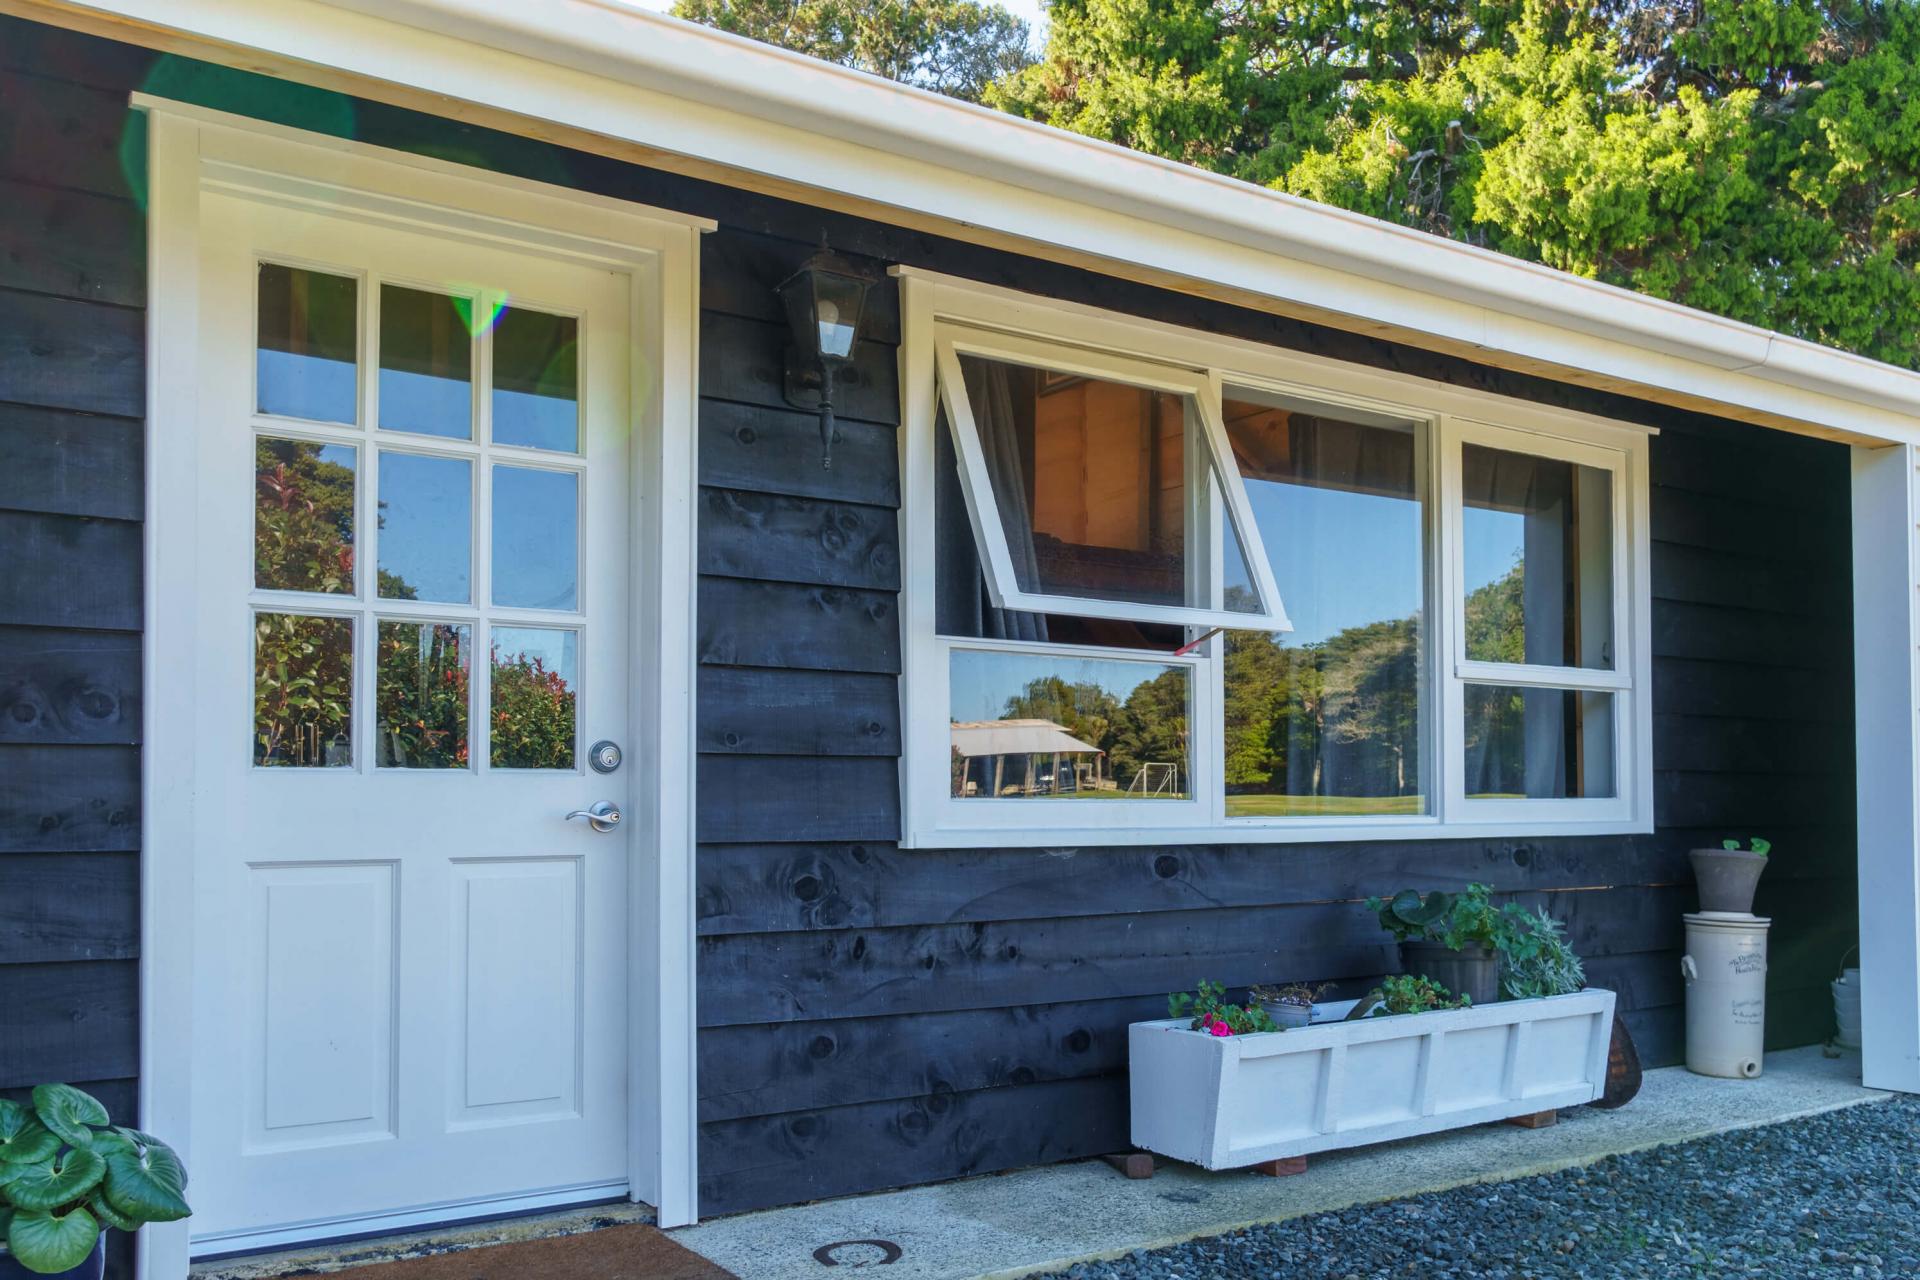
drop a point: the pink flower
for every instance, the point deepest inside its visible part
(1219, 1028)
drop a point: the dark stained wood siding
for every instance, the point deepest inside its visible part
(871, 1017)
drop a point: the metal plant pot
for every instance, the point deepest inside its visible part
(91, 1269)
(1727, 878)
(1472, 971)
(1286, 1015)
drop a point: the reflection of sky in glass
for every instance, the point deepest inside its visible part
(982, 682)
(426, 404)
(536, 538)
(536, 380)
(1492, 543)
(557, 650)
(426, 358)
(303, 386)
(538, 422)
(426, 523)
(1341, 559)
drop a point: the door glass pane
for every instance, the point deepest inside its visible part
(1045, 727)
(303, 515)
(1326, 720)
(426, 528)
(536, 538)
(426, 363)
(302, 690)
(1090, 479)
(420, 696)
(535, 677)
(309, 338)
(536, 380)
(1538, 744)
(1537, 536)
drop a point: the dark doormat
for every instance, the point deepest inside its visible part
(632, 1252)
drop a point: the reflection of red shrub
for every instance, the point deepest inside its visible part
(533, 715)
(421, 690)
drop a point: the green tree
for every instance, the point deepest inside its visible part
(955, 47)
(1755, 158)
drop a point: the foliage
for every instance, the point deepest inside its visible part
(302, 689)
(1208, 1008)
(1405, 993)
(1536, 958)
(1454, 920)
(533, 714)
(303, 517)
(422, 694)
(1151, 725)
(1295, 993)
(1755, 158)
(1756, 845)
(955, 47)
(67, 1172)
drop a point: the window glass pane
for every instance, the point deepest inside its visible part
(534, 682)
(420, 696)
(1090, 478)
(536, 538)
(536, 380)
(1538, 744)
(303, 515)
(1041, 726)
(426, 527)
(1326, 720)
(306, 362)
(426, 363)
(1537, 537)
(302, 690)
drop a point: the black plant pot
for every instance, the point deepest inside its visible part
(1472, 971)
(91, 1269)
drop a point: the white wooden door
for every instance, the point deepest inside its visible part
(413, 567)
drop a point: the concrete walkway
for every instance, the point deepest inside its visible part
(1041, 1219)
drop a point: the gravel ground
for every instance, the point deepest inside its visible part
(1831, 1195)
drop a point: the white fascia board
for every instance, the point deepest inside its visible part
(607, 68)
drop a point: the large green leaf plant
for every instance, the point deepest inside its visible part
(67, 1172)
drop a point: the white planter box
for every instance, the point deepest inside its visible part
(1223, 1102)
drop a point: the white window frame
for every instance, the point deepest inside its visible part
(933, 304)
(1212, 485)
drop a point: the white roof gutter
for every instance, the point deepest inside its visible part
(603, 68)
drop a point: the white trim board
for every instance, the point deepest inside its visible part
(590, 72)
(193, 151)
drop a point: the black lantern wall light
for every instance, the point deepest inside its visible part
(824, 300)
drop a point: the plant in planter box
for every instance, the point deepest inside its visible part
(1728, 876)
(1210, 1012)
(1535, 957)
(1452, 938)
(67, 1173)
(1407, 993)
(1290, 1005)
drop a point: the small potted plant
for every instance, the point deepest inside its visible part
(1728, 876)
(1290, 1005)
(67, 1173)
(1406, 993)
(1209, 1011)
(1451, 938)
(1535, 957)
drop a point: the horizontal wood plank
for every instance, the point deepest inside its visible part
(69, 800)
(71, 464)
(1732, 744)
(64, 134)
(72, 244)
(781, 887)
(1693, 576)
(751, 711)
(69, 686)
(748, 1164)
(1721, 633)
(745, 361)
(1688, 686)
(69, 906)
(765, 450)
(70, 571)
(805, 797)
(64, 354)
(69, 1021)
(779, 538)
(776, 624)
(1747, 801)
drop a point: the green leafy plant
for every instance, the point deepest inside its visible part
(1454, 920)
(1209, 1010)
(1405, 993)
(1535, 957)
(1756, 845)
(1295, 993)
(67, 1172)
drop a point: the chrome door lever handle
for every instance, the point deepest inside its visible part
(604, 815)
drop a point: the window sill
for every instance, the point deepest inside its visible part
(1266, 831)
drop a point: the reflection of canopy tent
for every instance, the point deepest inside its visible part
(1016, 738)
(999, 739)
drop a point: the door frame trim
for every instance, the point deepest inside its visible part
(193, 150)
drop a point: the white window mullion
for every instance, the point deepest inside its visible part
(1449, 600)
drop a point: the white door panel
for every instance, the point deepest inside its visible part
(411, 969)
